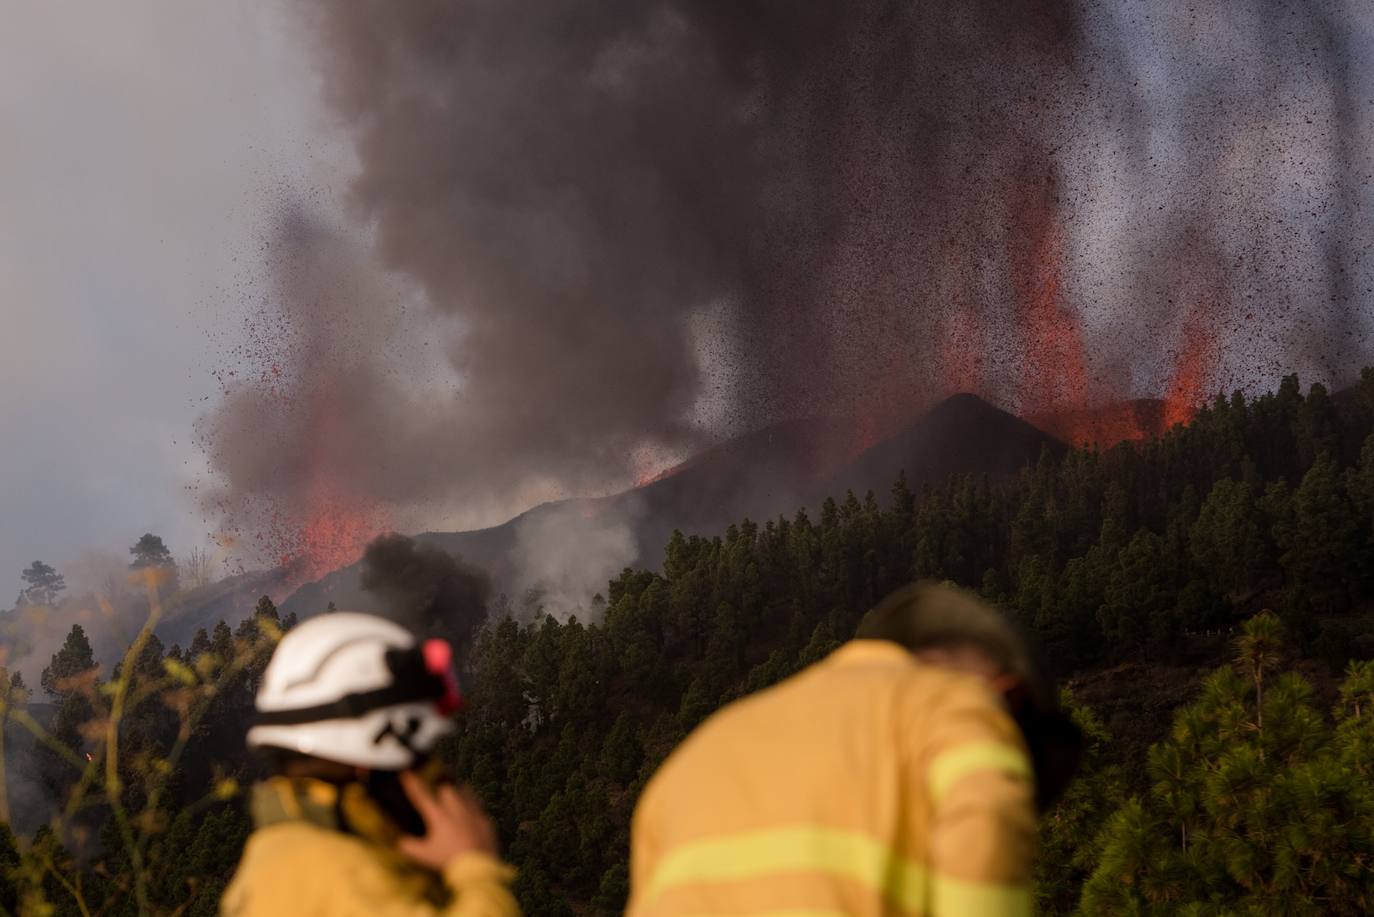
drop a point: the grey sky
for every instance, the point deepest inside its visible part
(139, 140)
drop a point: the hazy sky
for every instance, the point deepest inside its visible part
(140, 141)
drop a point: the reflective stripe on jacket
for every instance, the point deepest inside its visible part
(867, 784)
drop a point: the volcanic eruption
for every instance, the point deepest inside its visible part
(634, 229)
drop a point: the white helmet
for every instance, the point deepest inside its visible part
(356, 689)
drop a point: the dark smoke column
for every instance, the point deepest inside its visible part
(621, 211)
(576, 181)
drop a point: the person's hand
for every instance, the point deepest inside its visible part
(454, 824)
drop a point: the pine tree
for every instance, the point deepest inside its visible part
(70, 678)
(1317, 429)
(222, 643)
(1253, 806)
(153, 557)
(200, 644)
(1359, 484)
(73, 662)
(1320, 542)
(1257, 652)
(1137, 607)
(150, 551)
(13, 697)
(1355, 734)
(10, 876)
(1067, 854)
(45, 585)
(1228, 539)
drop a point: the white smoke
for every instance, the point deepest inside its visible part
(565, 553)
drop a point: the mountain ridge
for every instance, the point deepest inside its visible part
(763, 474)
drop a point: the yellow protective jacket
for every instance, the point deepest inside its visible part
(299, 862)
(867, 784)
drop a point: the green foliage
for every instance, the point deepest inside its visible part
(1112, 558)
(1066, 857)
(1229, 539)
(10, 877)
(140, 770)
(44, 584)
(1257, 805)
(1122, 555)
(1258, 651)
(1320, 540)
(149, 551)
(70, 664)
(1138, 605)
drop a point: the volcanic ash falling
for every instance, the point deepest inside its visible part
(1058, 207)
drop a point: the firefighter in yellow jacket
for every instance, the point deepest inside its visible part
(897, 776)
(354, 821)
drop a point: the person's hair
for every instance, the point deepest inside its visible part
(926, 616)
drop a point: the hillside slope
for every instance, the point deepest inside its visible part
(758, 476)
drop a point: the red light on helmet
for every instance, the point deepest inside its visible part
(439, 663)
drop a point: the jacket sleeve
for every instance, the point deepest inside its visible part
(977, 778)
(479, 883)
(481, 887)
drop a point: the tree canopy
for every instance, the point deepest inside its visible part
(149, 551)
(43, 584)
(1210, 594)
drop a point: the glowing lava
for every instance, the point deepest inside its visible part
(333, 520)
(1192, 373)
(1052, 375)
(327, 521)
(333, 534)
(1104, 425)
(1053, 389)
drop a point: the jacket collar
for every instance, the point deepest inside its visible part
(334, 807)
(867, 651)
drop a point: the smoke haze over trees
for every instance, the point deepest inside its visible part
(108, 600)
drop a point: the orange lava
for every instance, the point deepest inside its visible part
(1103, 425)
(1053, 374)
(1053, 390)
(333, 534)
(330, 524)
(1192, 373)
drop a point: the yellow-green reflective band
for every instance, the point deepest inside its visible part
(845, 854)
(958, 896)
(950, 766)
